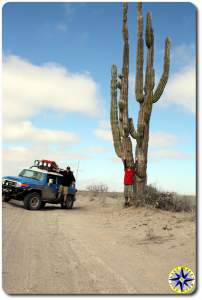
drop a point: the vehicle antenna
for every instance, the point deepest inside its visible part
(77, 171)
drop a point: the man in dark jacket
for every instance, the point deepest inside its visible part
(67, 180)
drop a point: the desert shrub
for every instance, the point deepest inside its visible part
(150, 235)
(98, 188)
(99, 192)
(168, 200)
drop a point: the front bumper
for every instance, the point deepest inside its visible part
(13, 192)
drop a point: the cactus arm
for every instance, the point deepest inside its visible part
(133, 132)
(164, 78)
(125, 72)
(150, 75)
(139, 56)
(114, 113)
(149, 38)
(124, 24)
(137, 135)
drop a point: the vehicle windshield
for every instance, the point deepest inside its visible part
(31, 174)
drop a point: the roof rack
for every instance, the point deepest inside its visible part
(48, 165)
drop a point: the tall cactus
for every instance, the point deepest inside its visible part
(146, 94)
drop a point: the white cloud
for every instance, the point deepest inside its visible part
(182, 55)
(169, 154)
(84, 36)
(28, 89)
(61, 27)
(103, 131)
(104, 124)
(25, 131)
(94, 149)
(161, 147)
(69, 10)
(181, 89)
(103, 134)
(19, 157)
(161, 139)
(19, 149)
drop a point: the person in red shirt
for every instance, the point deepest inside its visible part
(129, 181)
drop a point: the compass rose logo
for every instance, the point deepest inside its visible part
(181, 280)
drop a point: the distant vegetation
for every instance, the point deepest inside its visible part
(98, 188)
(154, 198)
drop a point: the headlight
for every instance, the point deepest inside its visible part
(19, 184)
(3, 181)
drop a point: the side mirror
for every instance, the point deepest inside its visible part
(50, 181)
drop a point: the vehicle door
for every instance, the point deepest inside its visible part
(51, 188)
(59, 181)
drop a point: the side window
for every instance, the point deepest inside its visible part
(50, 176)
(59, 180)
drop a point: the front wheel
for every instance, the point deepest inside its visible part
(32, 201)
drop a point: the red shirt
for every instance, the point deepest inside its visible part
(129, 176)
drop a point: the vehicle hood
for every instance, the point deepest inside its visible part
(23, 180)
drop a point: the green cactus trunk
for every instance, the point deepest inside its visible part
(141, 153)
(122, 126)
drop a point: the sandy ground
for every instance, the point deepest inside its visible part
(96, 248)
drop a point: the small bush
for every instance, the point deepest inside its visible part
(150, 235)
(97, 188)
(98, 191)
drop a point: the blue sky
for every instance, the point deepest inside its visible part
(56, 89)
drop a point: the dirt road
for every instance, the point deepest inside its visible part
(94, 248)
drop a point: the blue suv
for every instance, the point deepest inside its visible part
(36, 187)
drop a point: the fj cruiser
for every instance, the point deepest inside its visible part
(36, 186)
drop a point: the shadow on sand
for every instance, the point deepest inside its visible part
(48, 207)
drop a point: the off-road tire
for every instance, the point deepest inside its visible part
(32, 201)
(62, 205)
(5, 199)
